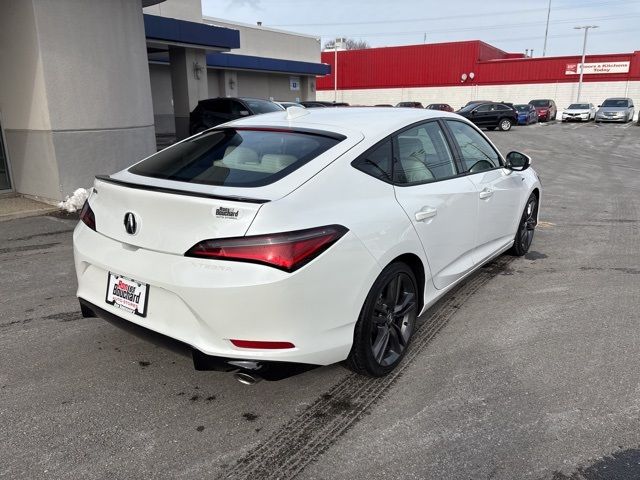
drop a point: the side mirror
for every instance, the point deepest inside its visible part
(518, 161)
(244, 113)
(599, 106)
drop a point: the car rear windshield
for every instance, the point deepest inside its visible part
(539, 103)
(261, 106)
(615, 103)
(522, 108)
(579, 106)
(236, 157)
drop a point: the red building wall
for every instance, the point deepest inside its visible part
(443, 64)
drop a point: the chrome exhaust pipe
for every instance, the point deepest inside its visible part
(247, 378)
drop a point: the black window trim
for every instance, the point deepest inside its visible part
(368, 151)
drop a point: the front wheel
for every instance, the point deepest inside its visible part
(386, 322)
(526, 227)
(505, 125)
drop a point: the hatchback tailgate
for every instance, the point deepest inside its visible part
(166, 222)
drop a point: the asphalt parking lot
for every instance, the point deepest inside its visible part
(529, 370)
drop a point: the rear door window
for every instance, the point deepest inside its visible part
(423, 155)
(236, 158)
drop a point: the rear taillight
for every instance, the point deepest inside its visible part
(286, 251)
(87, 216)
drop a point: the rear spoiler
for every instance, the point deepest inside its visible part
(175, 191)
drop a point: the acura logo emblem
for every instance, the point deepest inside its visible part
(130, 223)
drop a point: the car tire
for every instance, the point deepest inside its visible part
(505, 125)
(526, 227)
(386, 322)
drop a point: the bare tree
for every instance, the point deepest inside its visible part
(347, 44)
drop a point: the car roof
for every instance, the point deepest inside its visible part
(370, 121)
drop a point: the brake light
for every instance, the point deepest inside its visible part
(285, 251)
(87, 216)
(262, 345)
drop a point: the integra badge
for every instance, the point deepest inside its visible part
(224, 212)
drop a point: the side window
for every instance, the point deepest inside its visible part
(423, 155)
(502, 108)
(376, 162)
(222, 106)
(236, 108)
(477, 153)
(483, 108)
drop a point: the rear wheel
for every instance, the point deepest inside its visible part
(505, 125)
(526, 227)
(386, 322)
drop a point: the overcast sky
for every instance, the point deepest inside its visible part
(510, 25)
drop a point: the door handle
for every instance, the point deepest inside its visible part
(486, 193)
(425, 213)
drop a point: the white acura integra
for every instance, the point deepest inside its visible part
(303, 236)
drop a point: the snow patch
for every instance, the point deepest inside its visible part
(75, 201)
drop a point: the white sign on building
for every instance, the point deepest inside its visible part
(594, 68)
(294, 84)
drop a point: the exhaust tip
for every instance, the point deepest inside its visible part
(246, 378)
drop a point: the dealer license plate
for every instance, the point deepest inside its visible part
(127, 294)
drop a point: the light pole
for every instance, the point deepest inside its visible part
(584, 50)
(335, 72)
(546, 31)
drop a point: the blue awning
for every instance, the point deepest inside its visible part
(190, 33)
(248, 62)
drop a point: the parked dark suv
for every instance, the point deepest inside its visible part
(546, 109)
(214, 111)
(490, 115)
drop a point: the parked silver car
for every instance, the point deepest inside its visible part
(615, 110)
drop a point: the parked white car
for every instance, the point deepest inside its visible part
(580, 112)
(306, 236)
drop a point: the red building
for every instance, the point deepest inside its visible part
(460, 71)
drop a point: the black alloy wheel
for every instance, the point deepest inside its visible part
(386, 322)
(526, 228)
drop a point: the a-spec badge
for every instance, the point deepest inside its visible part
(130, 223)
(228, 213)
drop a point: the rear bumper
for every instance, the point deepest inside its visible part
(205, 303)
(264, 369)
(611, 119)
